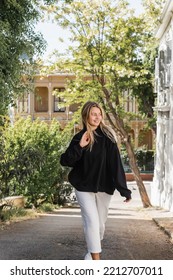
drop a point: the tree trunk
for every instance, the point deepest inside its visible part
(142, 190)
(118, 126)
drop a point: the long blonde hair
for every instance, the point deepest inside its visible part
(108, 131)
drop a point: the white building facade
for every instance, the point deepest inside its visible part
(162, 187)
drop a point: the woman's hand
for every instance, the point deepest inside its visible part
(84, 140)
(127, 199)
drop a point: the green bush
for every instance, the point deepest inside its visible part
(29, 160)
(144, 158)
(46, 207)
(8, 214)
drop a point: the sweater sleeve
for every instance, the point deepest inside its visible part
(118, 172)
(72, 154)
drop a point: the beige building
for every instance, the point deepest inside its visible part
(43, 104)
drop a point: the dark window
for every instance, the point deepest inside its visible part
(41, 99)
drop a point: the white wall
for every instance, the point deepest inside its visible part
(162, 186)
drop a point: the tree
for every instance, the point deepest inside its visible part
(109, 44)
(29, 161)
(18, 45)
(153, 10)
(145, 93)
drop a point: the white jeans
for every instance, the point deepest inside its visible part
(94, 210)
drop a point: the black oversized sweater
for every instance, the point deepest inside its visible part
(98, 170)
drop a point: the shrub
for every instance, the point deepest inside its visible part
(145, 160)
(29, 160)
(8, 214)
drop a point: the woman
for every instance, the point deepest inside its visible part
(96, 172)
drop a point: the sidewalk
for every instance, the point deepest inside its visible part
(134, 209)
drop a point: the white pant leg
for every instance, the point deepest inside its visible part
(94, 209)
(88, 206)
(103, 200)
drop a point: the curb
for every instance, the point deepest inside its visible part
(166, 224)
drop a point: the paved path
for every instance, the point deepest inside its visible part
(131, 234)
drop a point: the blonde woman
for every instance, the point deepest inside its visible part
(96, 172)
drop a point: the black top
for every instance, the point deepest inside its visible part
(98, 170)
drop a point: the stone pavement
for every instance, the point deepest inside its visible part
(162, 217)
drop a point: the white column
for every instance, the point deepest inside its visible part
(50, 105)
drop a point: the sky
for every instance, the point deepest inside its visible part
(52, 32)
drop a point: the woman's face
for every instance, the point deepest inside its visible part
(95, 117)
